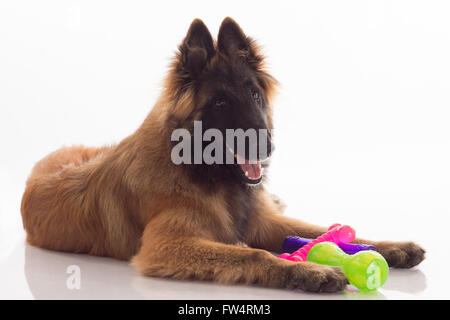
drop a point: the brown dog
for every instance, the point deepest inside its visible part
(130, 201)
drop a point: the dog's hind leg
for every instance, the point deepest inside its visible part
(55, 210)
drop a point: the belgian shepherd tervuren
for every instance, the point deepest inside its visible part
(189, 221)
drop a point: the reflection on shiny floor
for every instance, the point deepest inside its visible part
(105, 278)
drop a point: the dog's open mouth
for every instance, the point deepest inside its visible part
(251, 169)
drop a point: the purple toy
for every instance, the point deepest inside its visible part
(293, 243)
(336, 233)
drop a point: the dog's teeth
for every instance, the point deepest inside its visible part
(246, 173)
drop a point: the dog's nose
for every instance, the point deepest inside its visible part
(265, 149)
(270, 148)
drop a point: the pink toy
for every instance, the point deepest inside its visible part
(336, 233)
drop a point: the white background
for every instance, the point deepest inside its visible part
(362, 118)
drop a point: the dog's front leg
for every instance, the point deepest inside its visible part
(191, 257)
(269, 228)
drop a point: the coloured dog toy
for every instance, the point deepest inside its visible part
(293, 243)
(336, 233)
(366, 270)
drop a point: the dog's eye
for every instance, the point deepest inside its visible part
(255, 95)
(220, 103)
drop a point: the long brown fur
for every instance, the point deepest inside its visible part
(130, 202)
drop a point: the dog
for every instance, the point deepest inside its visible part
(213, 222)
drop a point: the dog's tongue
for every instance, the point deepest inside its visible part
(251, 170)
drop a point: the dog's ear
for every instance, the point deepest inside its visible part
(233, 42)
(196, 49)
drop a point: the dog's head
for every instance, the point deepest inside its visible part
(224, 85)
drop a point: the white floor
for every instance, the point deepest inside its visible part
(32, 273)
(363, 135)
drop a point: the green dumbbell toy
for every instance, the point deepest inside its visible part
(366, 270)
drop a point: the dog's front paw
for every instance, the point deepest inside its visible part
(401, 254)
(309, 276)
